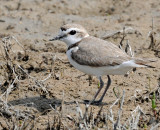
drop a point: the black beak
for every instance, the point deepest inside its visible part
(57, 38)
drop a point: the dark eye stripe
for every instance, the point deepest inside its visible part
(63, 29)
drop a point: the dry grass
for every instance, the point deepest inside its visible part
(19, 119)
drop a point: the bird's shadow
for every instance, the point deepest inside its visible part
(42, 104)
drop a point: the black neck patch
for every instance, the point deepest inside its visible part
(73, 45)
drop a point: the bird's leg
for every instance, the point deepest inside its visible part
(108, 84)
(101, 86)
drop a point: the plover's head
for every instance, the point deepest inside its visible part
(71, 34)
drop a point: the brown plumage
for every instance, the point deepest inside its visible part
(97, 56)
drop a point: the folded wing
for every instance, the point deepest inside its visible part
(105, 54)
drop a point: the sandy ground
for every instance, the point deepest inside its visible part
(34, 22)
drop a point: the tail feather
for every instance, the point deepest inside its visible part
(144, 62)
(149, 66)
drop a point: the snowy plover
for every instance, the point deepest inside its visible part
(95, 56)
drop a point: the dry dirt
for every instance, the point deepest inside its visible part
(34, 22)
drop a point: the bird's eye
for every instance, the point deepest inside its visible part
(72, 32)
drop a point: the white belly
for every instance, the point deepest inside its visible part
(105, 70)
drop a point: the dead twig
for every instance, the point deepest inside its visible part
(39, 83)
(151, 35)
(128, 30)
(118, 124)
